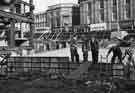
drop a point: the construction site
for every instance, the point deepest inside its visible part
(52, 71)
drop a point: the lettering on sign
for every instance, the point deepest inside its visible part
(96, 27)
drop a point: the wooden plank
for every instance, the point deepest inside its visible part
(15, 16)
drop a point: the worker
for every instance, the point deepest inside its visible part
(129, 61)
(116, 53)
(94, 49)
(85, 48)
(73, 49)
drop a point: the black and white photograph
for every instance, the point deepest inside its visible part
(67, 46)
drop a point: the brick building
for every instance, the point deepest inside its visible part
(107, 14)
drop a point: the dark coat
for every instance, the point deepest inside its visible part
(85, 45)
(73, 43)
(94, 46)
(116, 51)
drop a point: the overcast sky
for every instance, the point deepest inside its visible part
(41, 5)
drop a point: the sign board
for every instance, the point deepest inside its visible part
(100, 26)
(126, 24)
(119, 35)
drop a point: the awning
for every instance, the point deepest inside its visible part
(18, 42)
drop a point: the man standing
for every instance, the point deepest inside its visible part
(85, 48)
(94, 49)
(73, 49)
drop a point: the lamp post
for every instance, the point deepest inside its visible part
(31, 24)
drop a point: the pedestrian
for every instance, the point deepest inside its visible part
(117, 53)
(85, 48)
(57, 45)
(73, 49)
(47, 46)
(94, 49)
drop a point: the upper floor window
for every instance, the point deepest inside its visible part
(128, 2)
(101, 16)
(127, 13)
(114, 14)
(114, 2)
(101, 3)
(127, 9)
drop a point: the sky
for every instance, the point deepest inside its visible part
(42, 5)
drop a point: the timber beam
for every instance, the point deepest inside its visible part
(16, 17)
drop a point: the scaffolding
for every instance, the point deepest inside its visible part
(20, 12)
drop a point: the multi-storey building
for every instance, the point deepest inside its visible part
(61, 17)
(107, 14)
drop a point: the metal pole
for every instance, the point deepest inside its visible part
(11, 31)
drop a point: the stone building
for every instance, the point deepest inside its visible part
(107, 14)
(41, 22)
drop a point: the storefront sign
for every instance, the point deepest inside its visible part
(126, 24)
(96, 27)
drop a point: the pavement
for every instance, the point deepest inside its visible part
(65, 52)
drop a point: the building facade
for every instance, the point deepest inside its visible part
(60, 16)
(107, 14)
(40, 20)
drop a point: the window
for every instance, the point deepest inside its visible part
(101, 3)
(114, 2)
(89, 11)
(101, 16)
(128, 2)
(127, 12)
(127, 9)
(114, 14)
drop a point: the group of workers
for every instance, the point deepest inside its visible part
(87, 45)
(126, 58)
(93, 46)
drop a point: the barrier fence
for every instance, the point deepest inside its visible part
(17, 65)
(43, 64)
